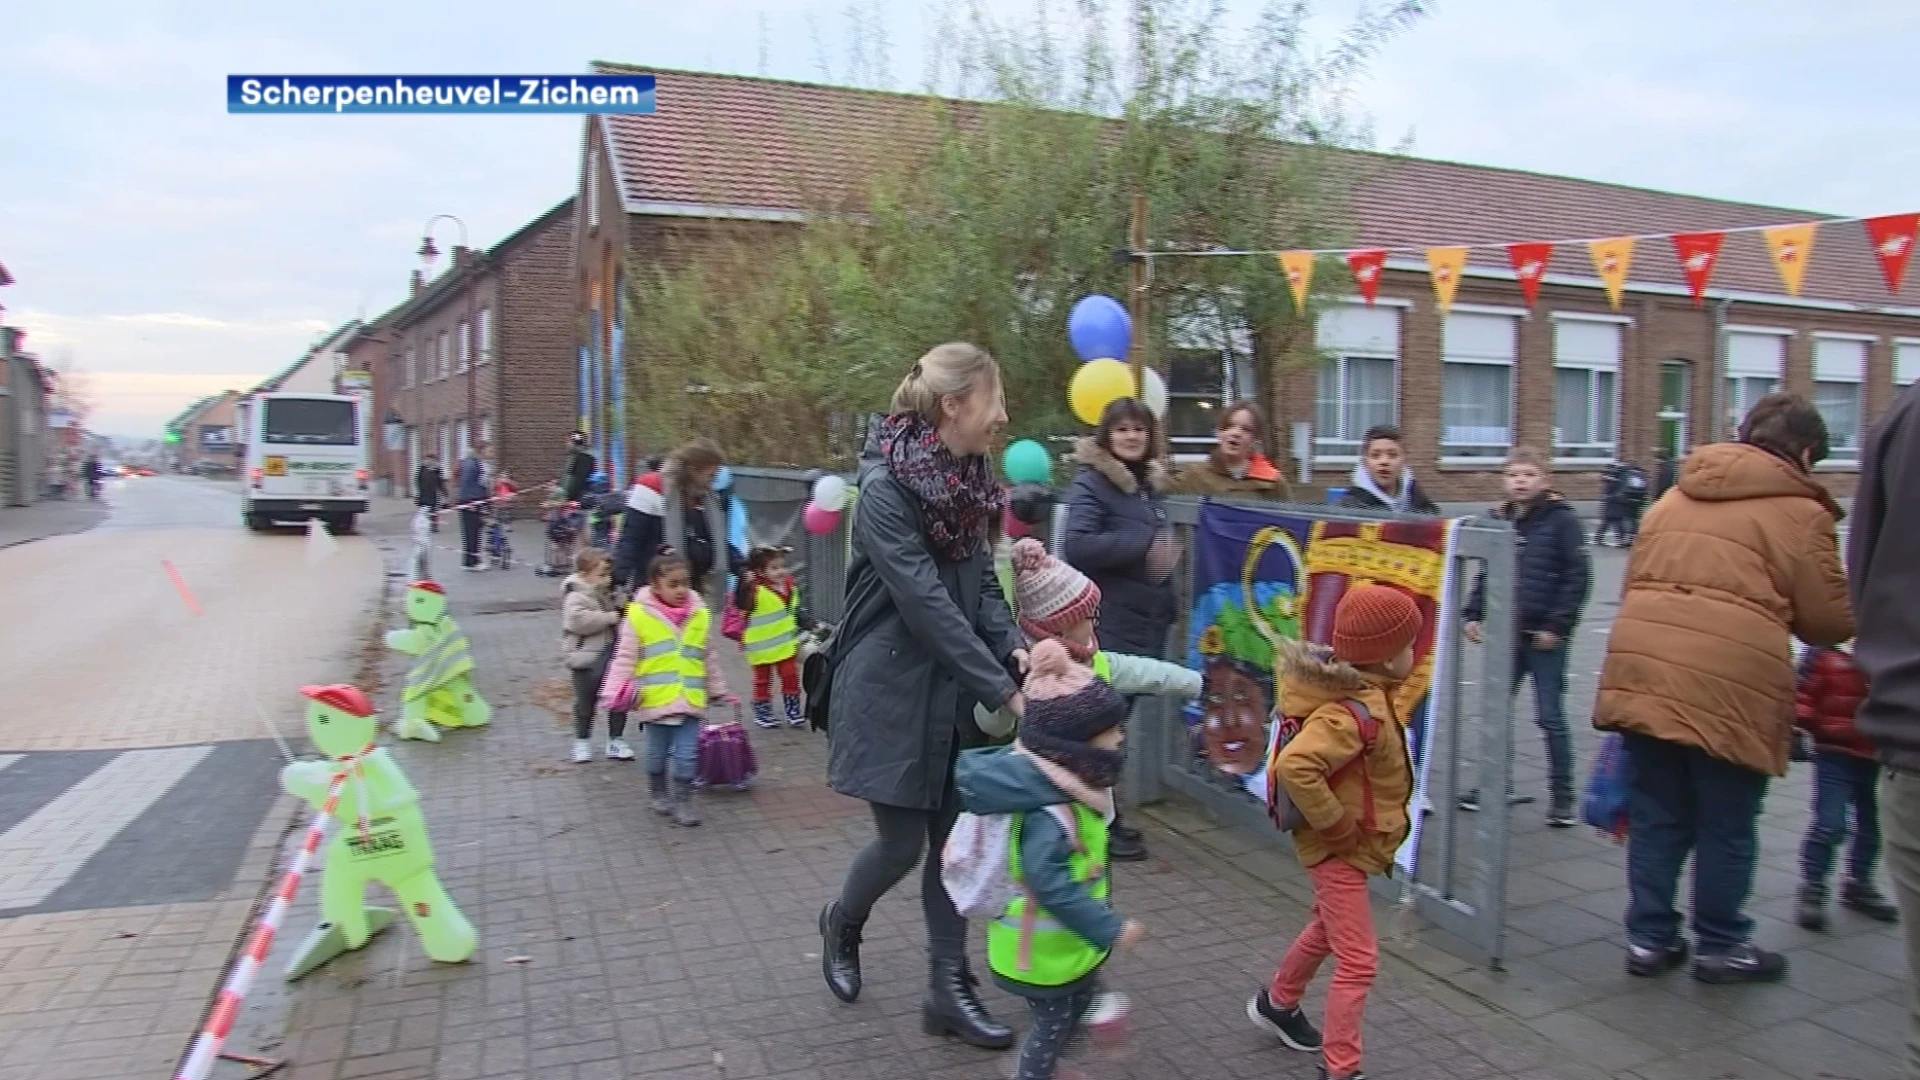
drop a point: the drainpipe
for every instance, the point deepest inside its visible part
(1718, 396)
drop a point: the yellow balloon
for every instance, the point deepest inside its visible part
(1096, 385)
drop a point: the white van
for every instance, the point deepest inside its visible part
(306, 457)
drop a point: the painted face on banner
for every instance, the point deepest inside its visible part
(1233, 727)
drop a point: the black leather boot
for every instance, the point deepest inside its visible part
(840, 952)
(953, 1008)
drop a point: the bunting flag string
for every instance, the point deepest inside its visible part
(1891, 238)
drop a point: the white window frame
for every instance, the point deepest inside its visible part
(1212, 326)
(593, 177)
(413, 367)
(483, 335)
(1856, 376)
(1329, 449)
(1621, 324)
(1910, 346)
(1471, 356)
(445, 365)
(463, 347)
(1739, 372)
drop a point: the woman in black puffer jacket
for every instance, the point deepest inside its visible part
(1118, 535)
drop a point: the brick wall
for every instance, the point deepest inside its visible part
(1659, 329)
(537, 368)
(433, 403)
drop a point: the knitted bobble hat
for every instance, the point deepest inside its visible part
(1372, 624)
(1050, 595)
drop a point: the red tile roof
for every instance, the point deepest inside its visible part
(764, 144)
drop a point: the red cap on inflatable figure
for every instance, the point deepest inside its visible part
(430, 586)
(348, 699)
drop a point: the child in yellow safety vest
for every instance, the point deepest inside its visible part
(665, 642)
(1049, 944)
(770, 600)
(1054, 600)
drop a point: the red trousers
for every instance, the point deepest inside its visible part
(763, 679)
(1342, 925)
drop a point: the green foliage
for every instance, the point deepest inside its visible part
(1042, 134)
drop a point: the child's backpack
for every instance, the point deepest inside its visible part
(976, 865)
(1280, 809)
(1604, 804)
(725, 757)
(1635, 482)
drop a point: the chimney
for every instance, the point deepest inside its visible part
(461, 255)
(415, 290)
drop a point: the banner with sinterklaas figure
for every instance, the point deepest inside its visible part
(1260, 578)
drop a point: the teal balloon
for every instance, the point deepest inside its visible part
(1026, 462)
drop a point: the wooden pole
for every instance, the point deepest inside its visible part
(1137, 287)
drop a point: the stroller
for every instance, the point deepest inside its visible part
(499, 541)
(563, 536)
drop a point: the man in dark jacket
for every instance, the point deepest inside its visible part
(1666, 472)
(1382, 481)
(580, 467)
(1551, 578)
(1883, 552)
(1623, 498)
(430, 488)
(471, 491)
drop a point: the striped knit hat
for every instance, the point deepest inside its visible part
(1049, 595)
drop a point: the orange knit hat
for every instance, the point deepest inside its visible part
(1373, 623)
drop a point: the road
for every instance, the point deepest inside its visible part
(139, 758)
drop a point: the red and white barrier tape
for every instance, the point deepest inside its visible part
(226, 1008)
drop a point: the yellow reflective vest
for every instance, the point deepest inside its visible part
(1026, 943)
(673, 660)
(773, 630)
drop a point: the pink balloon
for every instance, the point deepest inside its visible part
(819, 521)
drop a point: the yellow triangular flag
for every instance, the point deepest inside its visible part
(1443, 266)
(1792, 246)
(1298, 266)
(1611, 259)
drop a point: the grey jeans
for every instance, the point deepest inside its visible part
(1900, 826)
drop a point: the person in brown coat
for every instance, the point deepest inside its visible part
(1699, 677)
(1236, 469)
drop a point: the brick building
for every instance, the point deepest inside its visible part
(483, 352)
(208, 442)
(1569, 374)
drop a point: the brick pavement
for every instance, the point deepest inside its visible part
(614, 944)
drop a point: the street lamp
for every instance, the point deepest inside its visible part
(428, 253)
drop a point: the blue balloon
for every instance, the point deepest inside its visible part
(1099, 328)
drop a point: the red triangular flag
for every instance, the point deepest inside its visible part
(1697, 252)
(1892, 238)
(1366, 264)
(1529, 266)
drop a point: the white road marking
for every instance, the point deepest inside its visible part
(52, 844)
(8, 759)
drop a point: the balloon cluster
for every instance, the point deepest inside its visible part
(1101, 331)
(822, 515)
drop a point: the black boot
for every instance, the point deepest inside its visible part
(840, 952)
(1862, 897)
(1124, 843)
(953, 1009)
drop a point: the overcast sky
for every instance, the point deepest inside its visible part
(172, 250)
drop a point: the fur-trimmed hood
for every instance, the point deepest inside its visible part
(1089, 453)
(1309, 677)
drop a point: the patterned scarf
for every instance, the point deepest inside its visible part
(959, 499)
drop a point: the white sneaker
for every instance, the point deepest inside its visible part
(618, 750)
(582, 751)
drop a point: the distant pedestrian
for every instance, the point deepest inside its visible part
(430, 489)
(1699, 678)
(1623, 499)
(1665, 472)
(1236, 469)
(1353, 792)
(1551, 579)
(1844, 781)
(472, 491)
(666, 649)
(580, 468)
(1884, 559)
(590, 613)
(1382, 481)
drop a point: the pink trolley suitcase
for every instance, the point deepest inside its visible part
(725, 757)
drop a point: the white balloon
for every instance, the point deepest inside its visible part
(1153, 392)
(830, 493)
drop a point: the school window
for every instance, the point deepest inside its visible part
(1839, 367)
(1476, 386)
(1209, 362)
(483, 335)
(1359, 377)
(444, 364)
(460, 437)
(466, 347)
(1586, 390)
(486, 430)
(593, 181)
(1756, 362)
(413, 368)
(1906, 362)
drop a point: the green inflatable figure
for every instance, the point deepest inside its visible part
(439, 686)
(380, 835)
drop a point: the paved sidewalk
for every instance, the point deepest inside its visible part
(49, 517)
(614, 944)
